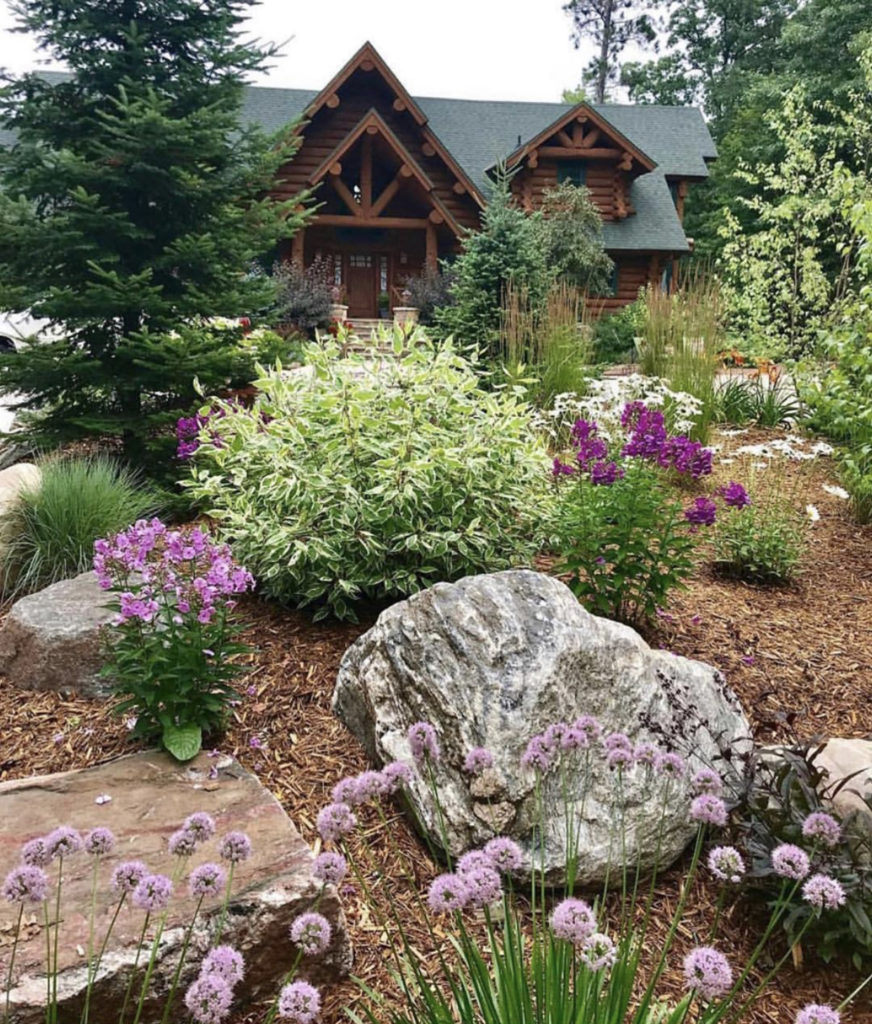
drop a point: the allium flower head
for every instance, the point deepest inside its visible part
(311, 932)
(226, 962)
(670, 765)
(478, 759)
(208, 999)
(182, 843)
(483, 885)
(335, 820)
(618, 741)
(423, 742)
(822, 828)
(726, 864)
(573, 920)
(598, 952)
(26, 884)
(708, 810)
(299, 1002)
(504, 853)
(815, 1013)
(645, 754)
(707, 972)
(235, 847)
(574, 739)
(153, 893)
(707, 780)
(207, 880)
(200, 825)
(619, 757)
(35, 853)
(99, 842)
(472, 860)
(448, 892)
(330, 867)
(396, 775)
(589, 726)
(345, 791)
(790, 861)
(538, 755)
(370, 786)
(127, 876)
(823, 892)
(63, 842)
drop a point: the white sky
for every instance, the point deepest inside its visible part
(473, 49)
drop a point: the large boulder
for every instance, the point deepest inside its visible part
(847, 782)
(143, 798)
(51, 640)
(494, 659)
(15, 479)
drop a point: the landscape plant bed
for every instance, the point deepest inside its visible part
(797, 656)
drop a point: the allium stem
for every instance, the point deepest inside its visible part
(12, 961)
(47, 962)
(271, 1016)
(178, 972)
(99, 960)
(223, 915)
(57, 929)
(139, 946)
(91, 916)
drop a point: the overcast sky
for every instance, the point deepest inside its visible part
(475, 49)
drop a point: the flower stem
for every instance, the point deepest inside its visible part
(99, 960)
(178, 972)
(139, 946)
(12, 962)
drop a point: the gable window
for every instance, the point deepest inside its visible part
(673, 191)
(573, 171)
(609, 290)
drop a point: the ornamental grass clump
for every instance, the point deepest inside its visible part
(169, 648)
(372, 477)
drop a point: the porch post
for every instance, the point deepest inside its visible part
(432, 255)
(297, 243)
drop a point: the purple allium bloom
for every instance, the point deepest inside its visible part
(670, 765)
(790, 861)
(747, 659)
(153, 893)
(478, 759)
(208, 999)
(63, 842)
(604, 474)
(345, 791)
(816, 1013)
(618, 740)
(99, 842)
(559, 469)
(735, 495)
(396, 775)
(702, 512)
(538, 755)
(472, 860)
(182, 843)
(707, 972)
(200, 825)
(235, 846)
(127, 876)
(312, 933)
(822, 828)
(335, 820)
(619, 757)
(726, 864)
(504, 853)
(574, 739)
(589, 726)
(646, 754)
(26, 884)
(573, 920)
(707, 780)
(823, 892)
(226, 962)
(483, 885)
(330, 867)
(299, 1002)
(708, 810)
(423, 742)
(448, 892)
(207, 880)
(598, 951)
(370, 786)
(555, 734)
(35, 853)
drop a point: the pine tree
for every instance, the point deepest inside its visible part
(132, 203)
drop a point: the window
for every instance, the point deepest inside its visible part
(360, 259)
(666, 277)
(382, 273)
(610, 290)
(573, 171)
(673, 191)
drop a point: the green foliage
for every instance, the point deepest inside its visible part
(741, 400)
(49, 531)
(627, 545)
(303, 296)
(570, 232)
(611, 25)
(373, 481)
(762, 543)
(615, 334)
(132, 202)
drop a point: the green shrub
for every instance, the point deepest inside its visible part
(615, 334)
(367, 478)
(741, 400)
(762, 543)
(855, 472)
(49, 532)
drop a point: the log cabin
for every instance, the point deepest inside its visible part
(400, 179)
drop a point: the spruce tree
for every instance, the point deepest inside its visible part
(132, 203)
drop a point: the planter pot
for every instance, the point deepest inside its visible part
(405, 316)
(339, 312)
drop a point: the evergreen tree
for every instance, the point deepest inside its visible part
(131, 205)
(611, 25)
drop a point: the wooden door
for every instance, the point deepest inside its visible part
(360, 286)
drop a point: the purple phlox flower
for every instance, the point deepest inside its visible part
(312, 933)
(127, 876)
(345, 791)
(726, 864)
(619, 757)
(823, 892)
(671, 765)
(538, 755)
(35, 853)
(734, 495)
(99, 842)
(708, 809)
(589, 726)
(604, 474)
(471, 860)
(707, 972)
(448, 892)
(182, 843)
(63, 842)
(478, 759)
(208, 999)
(330, 868)
(26, 884)
(153, 893)
(370, 786)
(396, 775)
(702, 512)
(630, 414)
(504, 853)
(707, 780)
(589, 448)
(256, 743)
(816, 1013)
(423, 742)
(300, 1002)
(200, 825)
(822, 828)
(235, 846)
(226, 962)
(573, 920)
(645, 753)
(790, 861)
(207, 880)
(747, 659)
(483, 885)
(684, 456)
(616, 740)
(335, 820)
(598, 952)
(648, 434)
(559, 469)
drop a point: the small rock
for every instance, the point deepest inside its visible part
(15, 479)
(848, 784)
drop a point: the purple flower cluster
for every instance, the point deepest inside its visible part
(650, 441)
(734, 495)
(790, 861)
(821, 827)
(312, 933)
(299, 1002)
(25, 884)
(823, 892)
(815, 1013)
(477, 761)
(707, 972)
(726, 864)
(702, 512)
(423, 742)
(188, 430)
(208, 999)
(573, 920)
(207, 880)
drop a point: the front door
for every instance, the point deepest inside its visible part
(360, 286)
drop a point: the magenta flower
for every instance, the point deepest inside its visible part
(478, 760)
(707, 972)
(423, 742)
(208, 999)
(226, 963)
(709, 810)
(207, 880)
(559, 469)
(483, 885)
(448, 892)
(396, 775)
(573, 920)
(200, 825)
(618, 741)
(335, 820)
(734, 495)
(726, 864)
(598, 952)
(235, 847)
(702, 512)
(99, 842)
(299, 1002)
(312, 933)
(707, 780)
(815, 1013)
(329, 868)
(35, 853)
(822, 828)
(619, 757)
(26, 884)
(823, 892)
(504, 853)
(63, 842)
(127, 876)
(790, 861)
(153, 893)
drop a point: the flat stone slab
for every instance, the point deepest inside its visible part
(51, 640)
(150, 795)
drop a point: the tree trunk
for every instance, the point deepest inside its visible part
(605, 46)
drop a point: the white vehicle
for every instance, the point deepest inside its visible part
(16, 328)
